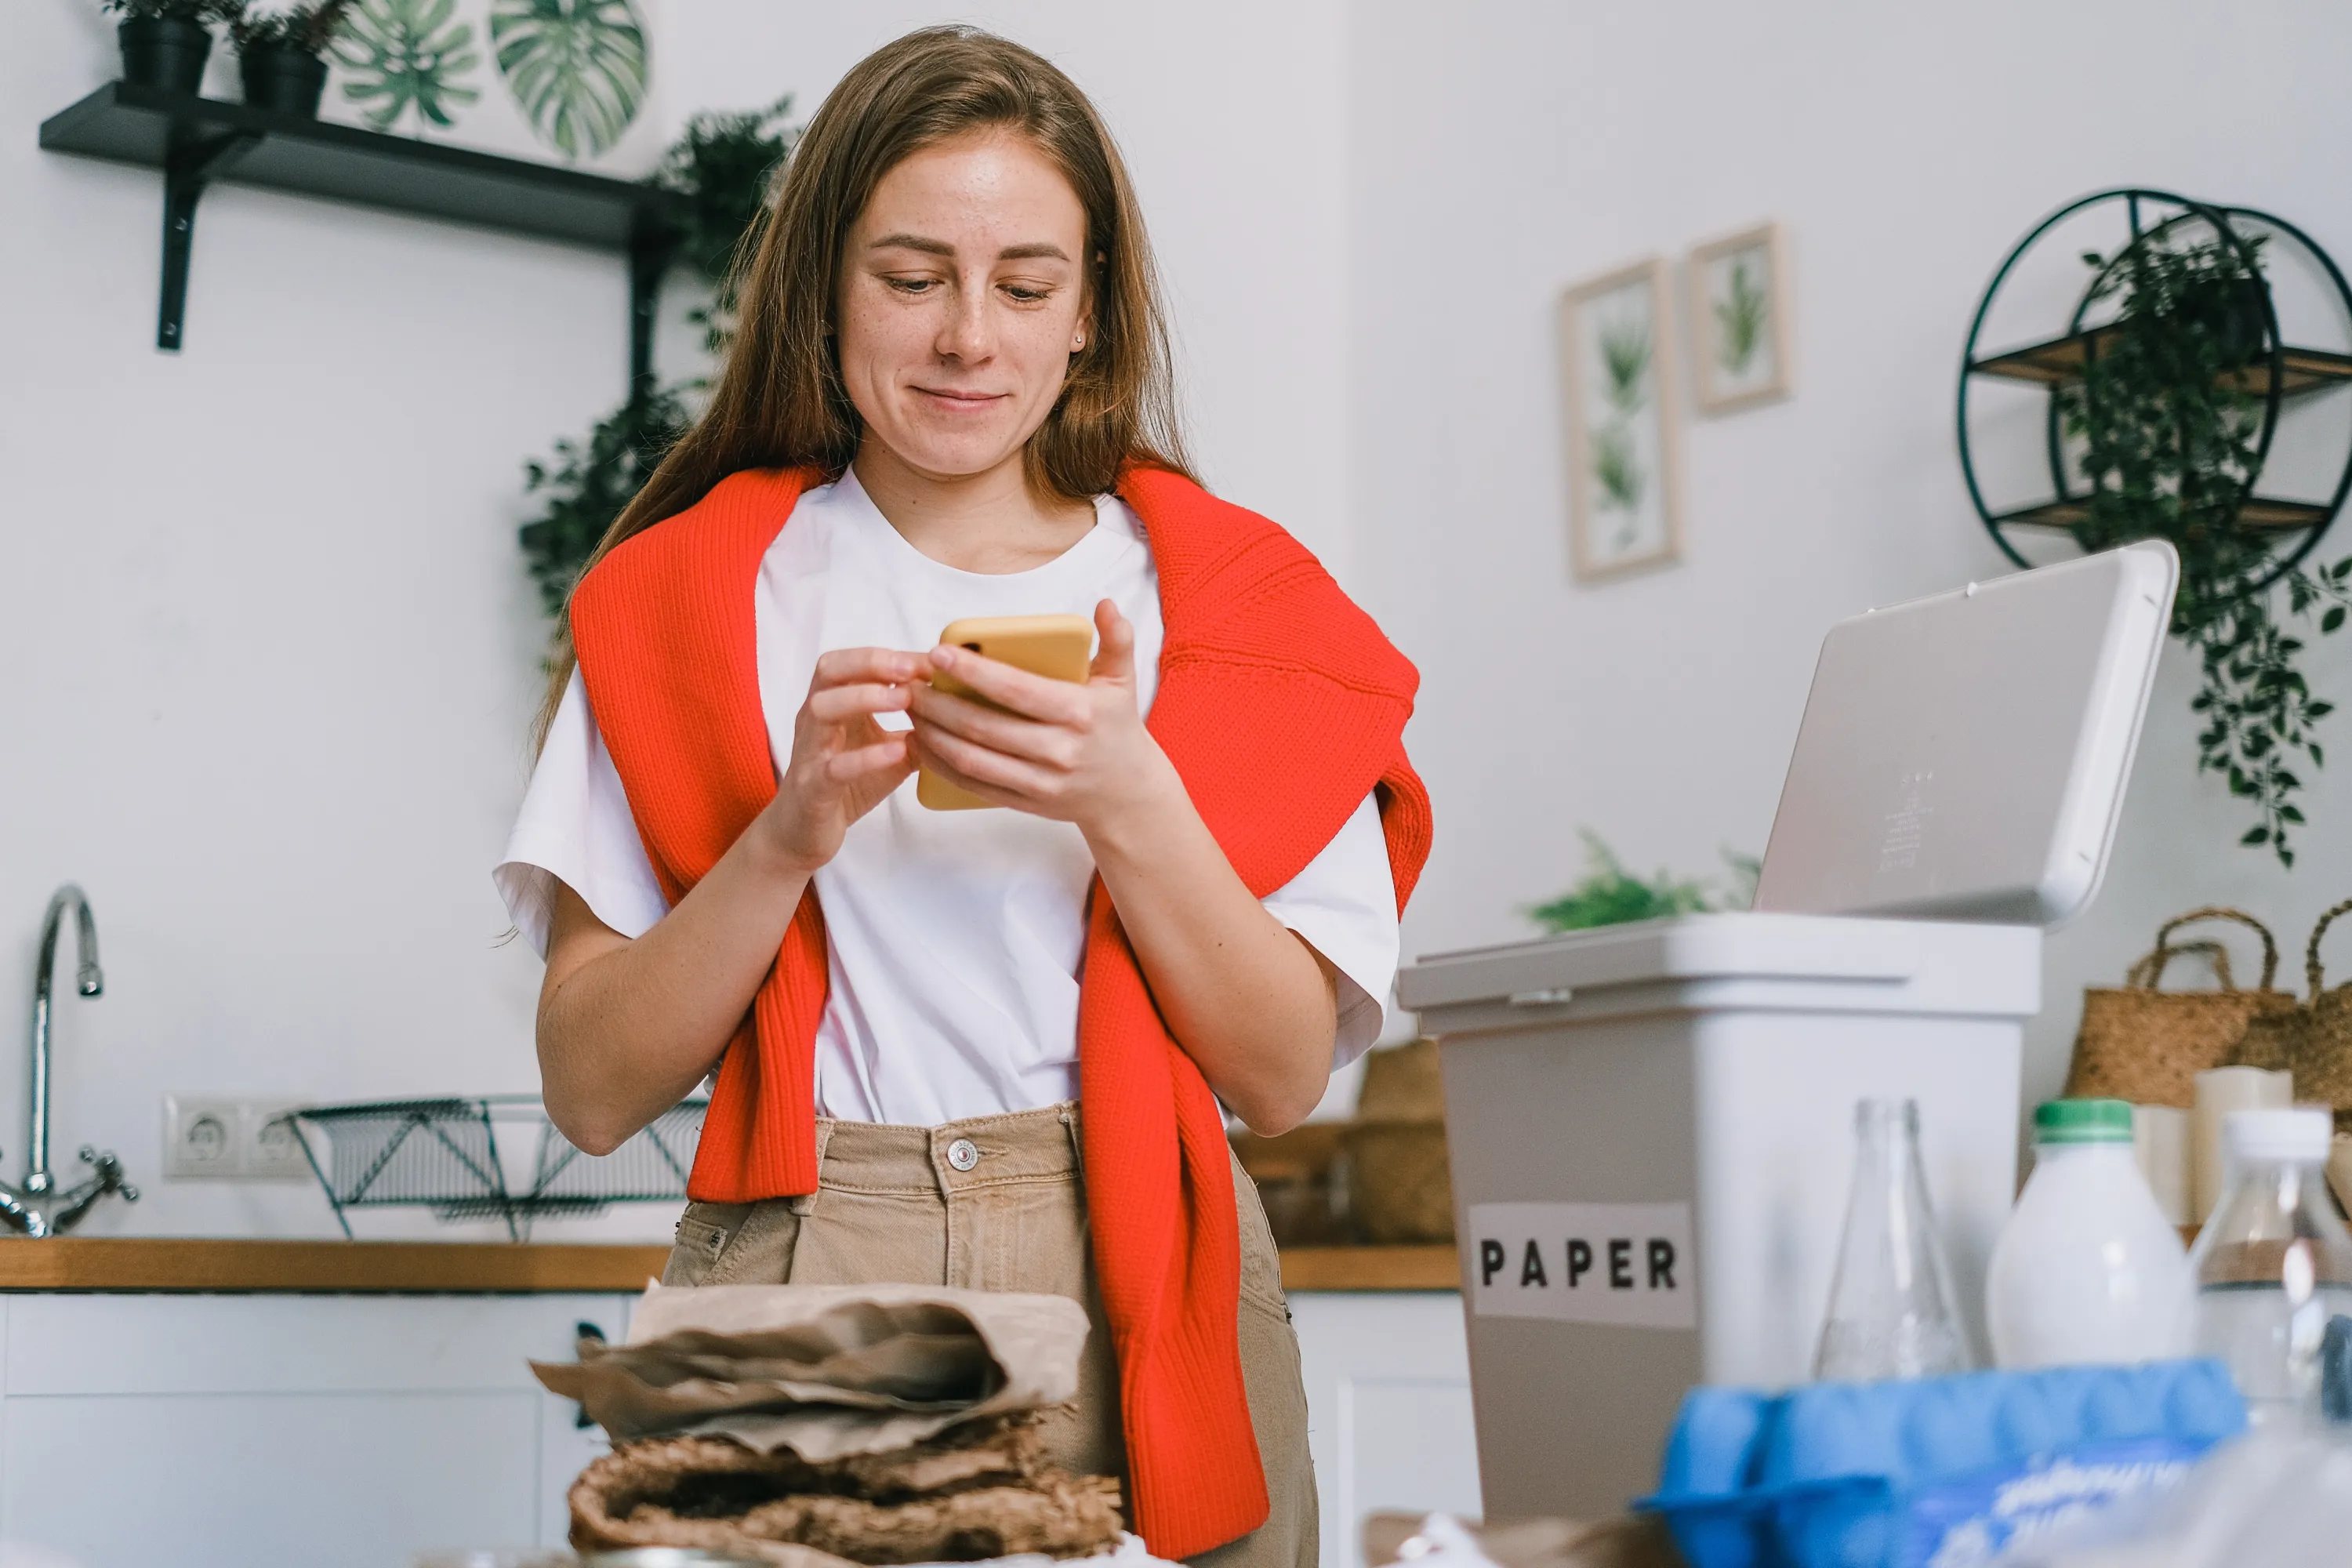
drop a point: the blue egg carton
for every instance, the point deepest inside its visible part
(1929, 1471)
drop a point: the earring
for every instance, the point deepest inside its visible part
(1077, 343)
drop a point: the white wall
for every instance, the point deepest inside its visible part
(1231, 119)
(269, 651)
(1502, 151)
(269, 647)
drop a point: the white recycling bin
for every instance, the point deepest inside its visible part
(1651, 1137)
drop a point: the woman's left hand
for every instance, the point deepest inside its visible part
(1074, 752)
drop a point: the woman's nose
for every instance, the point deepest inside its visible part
(966, 334)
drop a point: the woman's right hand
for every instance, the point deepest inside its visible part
(844, 765)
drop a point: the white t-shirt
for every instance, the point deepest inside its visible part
(953, 938)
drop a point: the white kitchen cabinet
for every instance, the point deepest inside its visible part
(356, 1431)
(332, 1431)
(1388, 1408)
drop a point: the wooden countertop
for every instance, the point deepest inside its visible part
(198, 1263)
(1371, 1268)
(427, 1268)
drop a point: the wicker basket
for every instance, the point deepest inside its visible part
(1399, 1185)
(2314, 1042)
(2148, 1046)
(1400, 1189)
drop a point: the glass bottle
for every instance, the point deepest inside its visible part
(1891, 1311)
(2274, 1264)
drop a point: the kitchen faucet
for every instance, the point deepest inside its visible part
(37, 1208)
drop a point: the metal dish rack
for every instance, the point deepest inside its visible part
(445, 1154)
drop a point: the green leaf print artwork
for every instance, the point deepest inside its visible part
(577, 68)
(1617, 469)
(1625, 362)
(1740, 315)
(399, 55)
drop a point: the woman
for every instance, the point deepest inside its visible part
(949, 396)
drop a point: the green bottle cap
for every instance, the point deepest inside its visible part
(2082, 1122)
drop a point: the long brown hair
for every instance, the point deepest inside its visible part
(778, 401)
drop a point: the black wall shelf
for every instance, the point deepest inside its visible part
(197, 140)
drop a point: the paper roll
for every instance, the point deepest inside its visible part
(2160, 1139)
(2219, 1092)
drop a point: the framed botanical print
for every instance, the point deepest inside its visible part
(1740, 319)
(1616, 361)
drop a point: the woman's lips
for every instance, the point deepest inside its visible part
(959, 402)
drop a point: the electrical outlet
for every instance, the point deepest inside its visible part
(269, 1145)
(208, 1137)
(199, 1136)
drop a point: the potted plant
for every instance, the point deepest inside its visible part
(281, 55)
(2170, 434)
(165, 42)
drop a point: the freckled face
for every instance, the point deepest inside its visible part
(963, 298)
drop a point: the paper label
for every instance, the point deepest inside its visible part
(1628, 1264)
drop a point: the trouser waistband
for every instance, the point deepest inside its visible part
(979, 1152)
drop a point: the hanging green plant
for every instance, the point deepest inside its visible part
(724, 164)
(577, 68)
(589, 482)
(2171, 430)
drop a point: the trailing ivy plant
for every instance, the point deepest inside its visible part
(2170, 430)
(588, 483)
(723, 165)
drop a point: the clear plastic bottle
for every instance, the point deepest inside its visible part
(2274, 1264)
(1892, 1308)
(2087, 1269)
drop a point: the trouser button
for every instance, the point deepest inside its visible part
(963, 1154)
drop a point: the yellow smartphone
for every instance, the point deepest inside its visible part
(1059, 647)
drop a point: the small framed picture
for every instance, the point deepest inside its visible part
(1740, 319)
(1616, 361)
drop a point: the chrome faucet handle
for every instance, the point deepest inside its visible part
(109, 1174)
(14, 1214)
(106, 1177)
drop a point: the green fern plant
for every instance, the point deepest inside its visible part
(2169, 431)
(1608, 894)
(577, 68)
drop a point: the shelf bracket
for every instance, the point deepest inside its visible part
(189, 166)
(651, 248)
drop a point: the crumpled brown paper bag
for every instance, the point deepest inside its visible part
(827, 1371)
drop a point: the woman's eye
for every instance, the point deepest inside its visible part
(1026, 296)
(911, 285)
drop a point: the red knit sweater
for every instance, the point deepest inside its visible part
(1281, 706)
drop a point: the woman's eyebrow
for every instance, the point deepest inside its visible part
(1041, 249)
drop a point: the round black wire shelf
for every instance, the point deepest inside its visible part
(2280, 372)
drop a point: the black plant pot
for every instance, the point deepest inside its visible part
(282, 81)
(165, 52)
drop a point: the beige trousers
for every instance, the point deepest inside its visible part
(998, 1203)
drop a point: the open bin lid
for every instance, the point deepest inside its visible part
(1963, 757)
